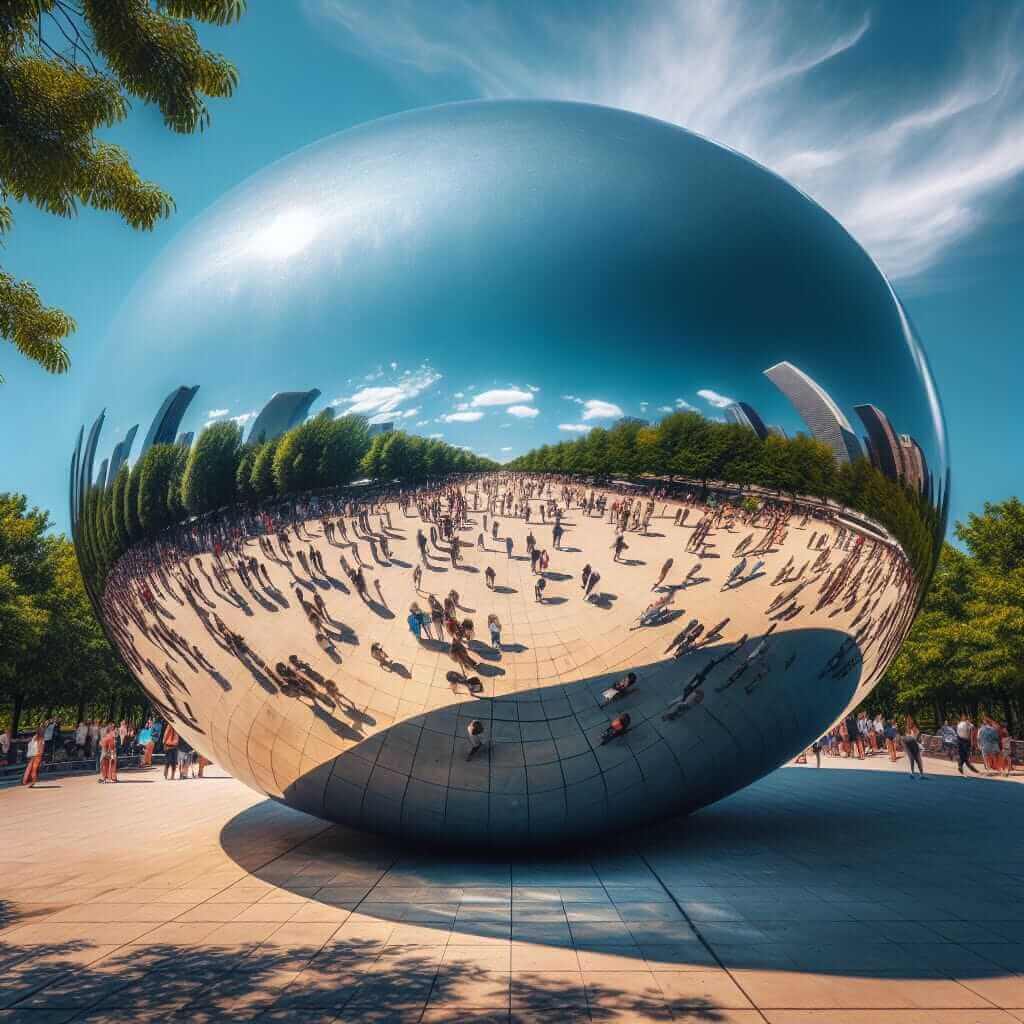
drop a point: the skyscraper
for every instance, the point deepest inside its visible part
(285, 410)
(380, 428)
(168, 418)
(915, 466)
(884, 448)
(747, 416)
(185, 439)
(121, 452)
(817, 409)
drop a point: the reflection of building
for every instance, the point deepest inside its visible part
(882, 444)
(817, 409)
(774, 430)
(285, 410)
(381, 428)
(121, 452)
(746, 416)
(185, 439)
(915, 467)
(168, 418)
(101, 476)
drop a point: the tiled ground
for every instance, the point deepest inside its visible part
(831, 896)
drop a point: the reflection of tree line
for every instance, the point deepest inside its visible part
(171, 483)
(689, 445)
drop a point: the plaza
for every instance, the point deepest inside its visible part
(850, 894)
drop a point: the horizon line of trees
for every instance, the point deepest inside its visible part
(687, 444)
(171, 483)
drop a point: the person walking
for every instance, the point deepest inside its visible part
(964, 744)
(34, 757)
(494, 625)
(988, 744)
(911, 744)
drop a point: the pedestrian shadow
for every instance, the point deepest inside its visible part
(554, 600)
(559, 576)
(400, 670)
(505, 590)
(603, 600)
(490, 670)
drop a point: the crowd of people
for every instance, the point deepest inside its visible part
(222, 560)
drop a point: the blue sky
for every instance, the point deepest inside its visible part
(905, 121)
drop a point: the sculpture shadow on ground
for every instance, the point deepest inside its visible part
(805, 871)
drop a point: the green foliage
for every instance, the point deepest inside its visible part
(54, 653)
(131, 503)
(210, 479)
(117, 501)
(158, 469)
(966, 649)
(66, 73)
(262, 480)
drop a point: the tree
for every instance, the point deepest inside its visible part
(67, 70)
(210, 478)
(262, 479)
(157, 469)
(131, 503)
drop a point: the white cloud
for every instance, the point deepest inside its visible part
(459, 394)
(407, 414)
(682, 403)
(572, 398)
(435, 437)
(243, 418)
(388, 397)
(910, 172)
(595, 409)
(530, 387)
(507, 449)
(522, 412)
(714, 398)
(422, 423)
(643, 406)
(501, 396)
(575, 428)
(216, 414)
(382, 417)
(665, 408)
(394, 366)
(462, 417)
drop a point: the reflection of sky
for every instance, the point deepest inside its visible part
(511, 276)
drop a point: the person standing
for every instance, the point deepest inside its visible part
(988, 743)
(494, 625)
(5, 746)
(948, 736)
(48, 730)
(964, 744)
(81, 737)
(170, 737)
(108, 754)
(34, 757)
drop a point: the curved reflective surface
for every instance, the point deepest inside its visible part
(566, 372)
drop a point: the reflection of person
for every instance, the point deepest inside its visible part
(475, 730)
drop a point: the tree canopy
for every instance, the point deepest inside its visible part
(68, 69)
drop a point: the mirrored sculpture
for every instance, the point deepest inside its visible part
(551, 470)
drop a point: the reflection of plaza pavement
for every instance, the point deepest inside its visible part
(810, 896)
(390, 753)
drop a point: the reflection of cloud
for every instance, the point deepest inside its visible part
(501, 396)
(665, 408)
(532, 388)
(388, 397)
(243, 418)
(522, 412)
(462, 417)
(435, 437)
(682, 403)
(407, 414)
(595, 409)
(574, 428)
(459, 394)
(381, 417)
(572, 398)
(712, 398)
(215, 414)
(910, 172)
(422, 423)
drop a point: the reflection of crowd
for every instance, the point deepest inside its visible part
(220, 561)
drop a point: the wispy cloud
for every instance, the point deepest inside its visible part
(910, 171)
(506, 449)
(501, 396)
(522, 412)
(575, 428)
(470, 416)
(682, 403)
(712, 398)
(386, 398)
(595, 409)
(216, 414)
